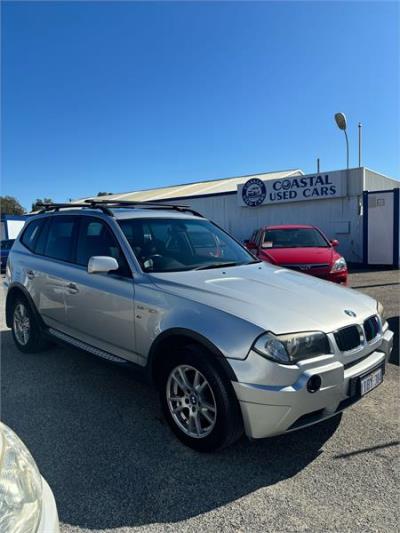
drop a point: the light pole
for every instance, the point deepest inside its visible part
(342, 124)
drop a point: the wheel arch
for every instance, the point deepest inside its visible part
(176, 337)
(15, 290)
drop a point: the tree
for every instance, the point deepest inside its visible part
(10, 206)
(35, 205)
(104, 193)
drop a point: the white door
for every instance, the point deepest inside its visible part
(380, 228)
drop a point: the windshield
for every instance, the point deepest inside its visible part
(171, 245)
(294, 238)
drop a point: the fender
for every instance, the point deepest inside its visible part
(13, 289)
(196, 337)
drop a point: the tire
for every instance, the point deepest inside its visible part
(25, 330)
(209, 398)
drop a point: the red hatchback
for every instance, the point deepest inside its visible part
(299, 247)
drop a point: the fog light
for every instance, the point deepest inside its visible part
(314, 383)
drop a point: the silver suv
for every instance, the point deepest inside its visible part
(231, 343)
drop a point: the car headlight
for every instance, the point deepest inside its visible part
(20, 485)
(381, 311)
(288, 349)
(339, 264)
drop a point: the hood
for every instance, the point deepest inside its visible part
(273, 298)
(289, 256)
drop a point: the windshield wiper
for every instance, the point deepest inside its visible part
(216, 265)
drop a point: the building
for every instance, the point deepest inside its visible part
(359, 207)
(11, 225)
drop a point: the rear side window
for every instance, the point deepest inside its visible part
(31, 234)
(60, 238)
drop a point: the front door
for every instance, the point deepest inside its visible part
(100, 307)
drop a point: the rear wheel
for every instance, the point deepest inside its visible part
(26, 332)
(199, 402)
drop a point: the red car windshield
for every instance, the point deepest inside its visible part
(294, 238)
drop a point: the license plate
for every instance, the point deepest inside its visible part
(371, 381)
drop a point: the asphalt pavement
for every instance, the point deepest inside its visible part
(98, 437)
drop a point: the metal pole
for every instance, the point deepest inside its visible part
(359, 143)
(317, 165)
(347, 148)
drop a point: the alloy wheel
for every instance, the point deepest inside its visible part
(22, 324)
(191, 401)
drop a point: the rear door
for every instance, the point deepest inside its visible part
(52, 267)
(100, 306)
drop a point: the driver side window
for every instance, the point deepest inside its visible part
(96, 238)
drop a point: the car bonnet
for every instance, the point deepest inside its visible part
(273, 298)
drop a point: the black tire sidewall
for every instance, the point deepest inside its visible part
(228, 411)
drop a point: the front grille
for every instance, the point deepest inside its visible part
(372, 328)
(306, 267)
(348, 338)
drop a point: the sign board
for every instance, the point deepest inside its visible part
(256, 192)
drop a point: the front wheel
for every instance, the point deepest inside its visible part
(199, 402)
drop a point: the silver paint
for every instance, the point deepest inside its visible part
(228, 307)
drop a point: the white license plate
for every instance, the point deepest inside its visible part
(371, 381)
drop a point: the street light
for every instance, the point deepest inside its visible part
(342, 124)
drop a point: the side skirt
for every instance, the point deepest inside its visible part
(86, 347)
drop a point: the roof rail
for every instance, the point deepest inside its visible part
(151, 205)
(107, 205)
(46, 207)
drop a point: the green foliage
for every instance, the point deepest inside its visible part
(36, 206)
(10, 206)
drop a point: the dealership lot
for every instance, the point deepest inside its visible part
(97, 434)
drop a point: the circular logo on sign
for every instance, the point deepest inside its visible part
(254, 192)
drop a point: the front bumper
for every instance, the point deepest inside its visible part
(287, 405)
(49, 517)
(337, 277)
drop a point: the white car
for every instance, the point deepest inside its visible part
(27, 503)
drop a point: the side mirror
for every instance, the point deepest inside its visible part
(250, 245)
(102, 263)
(334, 243)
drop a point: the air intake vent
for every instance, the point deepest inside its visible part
(372, 328)
(348, 338)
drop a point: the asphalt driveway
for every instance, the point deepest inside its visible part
(97, 435)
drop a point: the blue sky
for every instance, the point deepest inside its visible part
(121, 96)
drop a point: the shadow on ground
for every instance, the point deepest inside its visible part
(98, 438)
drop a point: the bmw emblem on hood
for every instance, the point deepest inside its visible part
(349, 312)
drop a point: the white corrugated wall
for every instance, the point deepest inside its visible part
(338, 218)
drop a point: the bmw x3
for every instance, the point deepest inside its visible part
(232, 344)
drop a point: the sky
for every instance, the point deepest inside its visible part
(122, 96)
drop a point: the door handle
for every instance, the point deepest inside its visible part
(30, 274)
(73, 289)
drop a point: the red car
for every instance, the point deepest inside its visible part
(300, 247)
